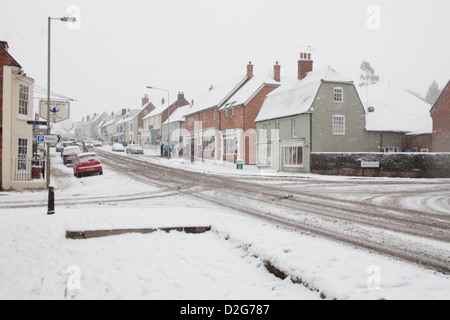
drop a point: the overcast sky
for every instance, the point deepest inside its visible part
(118, 48)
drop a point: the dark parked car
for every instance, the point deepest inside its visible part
(87, 164)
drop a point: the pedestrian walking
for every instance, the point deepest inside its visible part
(162, 149)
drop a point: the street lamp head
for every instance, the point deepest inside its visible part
(69, 19)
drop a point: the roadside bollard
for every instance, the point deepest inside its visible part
(51, 201)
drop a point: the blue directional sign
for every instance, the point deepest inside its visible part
(49, 138)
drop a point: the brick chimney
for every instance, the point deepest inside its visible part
(250, 70)
(277, 72)
(124, 112)
(163, 101)
(145, 100)
(4, 45)
(180, 96)
(305, 65)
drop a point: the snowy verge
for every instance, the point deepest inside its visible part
(338, 271)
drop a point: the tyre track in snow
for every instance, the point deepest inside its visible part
(90, 200)
(413, 222)
(355, 223)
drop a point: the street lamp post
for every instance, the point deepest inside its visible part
(168, 118)
(47, 169)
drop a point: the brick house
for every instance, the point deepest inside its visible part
(152, 122)
(441, 122)
(237, 116)
(222, 123)
(202, 121)
(135, 123)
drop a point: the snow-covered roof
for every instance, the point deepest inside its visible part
(96, 118)
(111, 120)
(158, 110)
(251, 88)
(131, 116)
(395, 109)
(179, 114)
(218, 95)
(296, 97)
(101, 124)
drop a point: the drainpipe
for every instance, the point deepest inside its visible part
(310, 135)
(310, 140)
(381, 142)
(243, 155)
(280, 155)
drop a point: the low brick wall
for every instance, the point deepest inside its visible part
(408, 165)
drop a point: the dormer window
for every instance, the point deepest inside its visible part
(338, 95)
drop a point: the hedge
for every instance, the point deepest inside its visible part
(420, 165)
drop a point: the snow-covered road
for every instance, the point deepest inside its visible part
(225, 263)
(417, 235)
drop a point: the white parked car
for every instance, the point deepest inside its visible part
(69, 154)
(118, 147)
(134, 149)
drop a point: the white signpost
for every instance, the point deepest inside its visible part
(59, 110)
(370, 164)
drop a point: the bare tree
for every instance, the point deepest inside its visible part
(368, 76)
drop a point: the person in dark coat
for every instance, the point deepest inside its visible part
(162, 149)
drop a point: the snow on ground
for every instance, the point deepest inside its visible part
(225, 263)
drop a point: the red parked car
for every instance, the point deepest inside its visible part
(87, 164)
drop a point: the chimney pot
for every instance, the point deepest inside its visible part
(250, 70)
(277, 72)
(4, 45)
(145, 100)
(305, 65)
